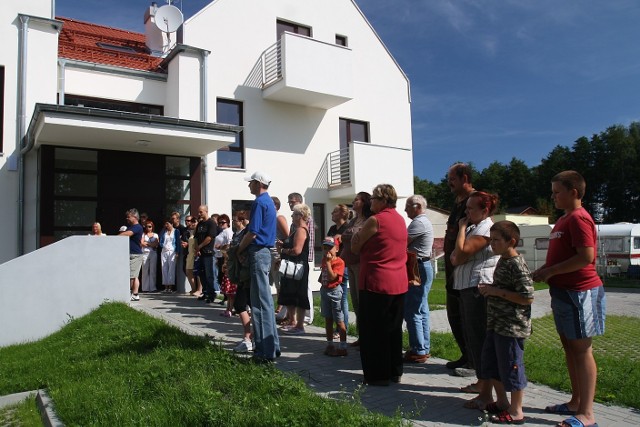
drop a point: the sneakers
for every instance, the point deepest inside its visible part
(411, 357)
(464, 372)
(294, 331)
(244, 347)
(456, 363)
(135, 297)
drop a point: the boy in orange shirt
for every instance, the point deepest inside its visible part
(331, 296)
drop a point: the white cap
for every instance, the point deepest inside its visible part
(123, 228)
(261, 177)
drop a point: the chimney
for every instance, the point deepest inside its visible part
(154, 38)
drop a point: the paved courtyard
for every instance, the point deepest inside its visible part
(428, 394)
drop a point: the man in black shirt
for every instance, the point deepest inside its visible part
(205, 236)
(459, 179)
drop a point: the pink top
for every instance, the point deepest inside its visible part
(383, 257)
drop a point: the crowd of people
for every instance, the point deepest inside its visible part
(387, 268)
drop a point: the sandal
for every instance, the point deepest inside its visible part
(560, 409)
(475, 404)
(504, 417)
(493, 408)
(574, 422)
(471, 388)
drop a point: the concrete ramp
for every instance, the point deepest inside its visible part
(42, 290)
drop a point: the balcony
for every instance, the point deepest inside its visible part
(303, 71)
(362, 166)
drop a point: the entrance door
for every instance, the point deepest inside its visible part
(79, 187)
(129, 180)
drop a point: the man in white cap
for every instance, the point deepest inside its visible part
(257, 244)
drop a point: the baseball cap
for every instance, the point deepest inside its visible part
(261, 177)
(330, 241)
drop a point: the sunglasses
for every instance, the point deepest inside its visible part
(149, 226)
(222, 222)
(192, 220)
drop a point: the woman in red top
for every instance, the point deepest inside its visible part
(382, 244)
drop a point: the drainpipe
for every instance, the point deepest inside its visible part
(61, 83)
(204, 113)
(21, 125)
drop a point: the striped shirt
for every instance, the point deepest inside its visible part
(479, 268)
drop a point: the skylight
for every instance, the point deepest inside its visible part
(109, 46)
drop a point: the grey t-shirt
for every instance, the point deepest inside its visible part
(420, 236)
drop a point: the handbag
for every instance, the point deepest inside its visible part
(291, 270)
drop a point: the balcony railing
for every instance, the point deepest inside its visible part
(271, 60)
(339, 168)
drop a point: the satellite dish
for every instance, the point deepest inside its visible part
(168, 18)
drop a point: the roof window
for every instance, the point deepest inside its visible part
(125, 49)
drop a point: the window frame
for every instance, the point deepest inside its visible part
(239, 136)
(295, 28)
(342, 40)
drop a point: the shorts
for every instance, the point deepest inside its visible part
(331, 303)
(243, 294)
(135, 264)
(503, 359)
(578, 314)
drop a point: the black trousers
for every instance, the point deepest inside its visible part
(380, 322)
(455, 320)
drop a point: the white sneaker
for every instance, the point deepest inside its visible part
(135, 297)
(307, 320)
(244, 347)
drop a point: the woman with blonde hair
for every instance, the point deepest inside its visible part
(293, 293)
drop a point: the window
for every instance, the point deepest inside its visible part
(353, 130)
(282, 26)
(636, 243)
(319, 221)
(341, 40)
(1, 108)
(110, 104)
(230, 112)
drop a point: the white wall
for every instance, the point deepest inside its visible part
(40, 291)
(112, 86)
(290, 142)
(42, 53)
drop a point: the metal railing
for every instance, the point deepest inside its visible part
(339, 167)
(271, 61)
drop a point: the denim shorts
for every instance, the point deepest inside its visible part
(503, 359)
(331, 303)
(578, 314)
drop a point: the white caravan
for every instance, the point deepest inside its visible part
(533, 244)
(618, 247)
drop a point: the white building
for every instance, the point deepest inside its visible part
(93, 124)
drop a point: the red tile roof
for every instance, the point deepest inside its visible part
(79, 41)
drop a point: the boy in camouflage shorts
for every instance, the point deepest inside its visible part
(509, 301)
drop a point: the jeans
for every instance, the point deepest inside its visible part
(345, 298)
(209, 276)
(265, 334)
(416, 311)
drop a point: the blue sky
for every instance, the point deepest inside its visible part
(490, 79)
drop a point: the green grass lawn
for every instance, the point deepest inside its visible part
(23, 414)
(617, 355)
(117, 366)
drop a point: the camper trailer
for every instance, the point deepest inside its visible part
(533, 244)
(618, 247)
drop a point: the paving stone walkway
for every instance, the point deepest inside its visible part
(428, 394)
